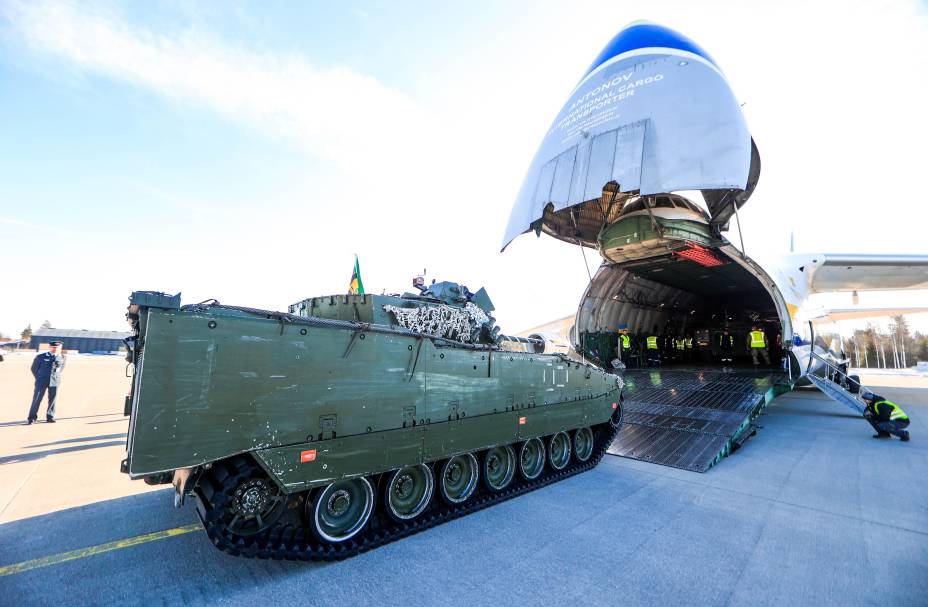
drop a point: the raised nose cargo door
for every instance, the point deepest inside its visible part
(654, 114)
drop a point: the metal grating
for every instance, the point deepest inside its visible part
(687, 418)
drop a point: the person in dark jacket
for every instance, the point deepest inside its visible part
(46, 369)
(886, 417)
(726, 346)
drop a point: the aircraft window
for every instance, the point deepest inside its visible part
(679, 203)
(662, 203)
(638, 205)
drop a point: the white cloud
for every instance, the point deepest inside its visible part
(333, 112)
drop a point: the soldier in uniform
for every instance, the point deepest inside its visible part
(46, 369)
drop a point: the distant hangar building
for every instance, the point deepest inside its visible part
(80, 340)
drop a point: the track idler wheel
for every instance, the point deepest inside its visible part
(583, 444)
(408, 491)
(255, 503)
(340, 510)
(499, 467)
(532, 459)
(459, 477)
(559, 450)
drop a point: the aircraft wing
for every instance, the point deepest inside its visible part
(831, 315)
(844, 272)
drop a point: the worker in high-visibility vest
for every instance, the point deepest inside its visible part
(886, 417)
(726, 346)
(757, 343)
(688, 344)
(679, 347)
(625, 345)
(653, 349)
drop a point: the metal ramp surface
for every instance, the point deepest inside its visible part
(691, 418)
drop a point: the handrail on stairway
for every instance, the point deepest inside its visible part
(841, 379)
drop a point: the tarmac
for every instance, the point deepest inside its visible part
(810, 511)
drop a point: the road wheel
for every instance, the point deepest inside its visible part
(559, 450)
(408, 491)
(583, 444)
(459, 477)
(341, 509)
(499, 467)
(532, 458)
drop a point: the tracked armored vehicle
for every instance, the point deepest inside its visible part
(351, 420)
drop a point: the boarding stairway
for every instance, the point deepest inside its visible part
(838, 385)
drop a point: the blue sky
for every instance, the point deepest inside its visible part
(246, 151)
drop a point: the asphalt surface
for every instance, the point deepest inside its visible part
(810, 511)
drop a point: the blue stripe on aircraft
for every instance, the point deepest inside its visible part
(647, 35)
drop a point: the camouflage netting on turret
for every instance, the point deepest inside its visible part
(469, 324)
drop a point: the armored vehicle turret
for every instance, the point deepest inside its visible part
(351, 420)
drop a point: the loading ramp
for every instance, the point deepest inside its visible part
(691, 418)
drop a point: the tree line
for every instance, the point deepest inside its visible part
(893, 348)
(25, 334)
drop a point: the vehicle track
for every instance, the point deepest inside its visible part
(293, 541)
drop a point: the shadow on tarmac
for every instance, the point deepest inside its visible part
(83, 439)
(22, 422)
(793, 404)
(819, 414)
(185, 569)
(86, 416)
(27, 457)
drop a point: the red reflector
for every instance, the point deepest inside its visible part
(521, 421)
(615, 405)
(308, 456)
(701, 255)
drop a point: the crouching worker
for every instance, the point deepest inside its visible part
(886, 417)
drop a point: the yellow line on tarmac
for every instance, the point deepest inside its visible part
(92, 550)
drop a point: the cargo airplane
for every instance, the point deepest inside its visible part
(651, 127)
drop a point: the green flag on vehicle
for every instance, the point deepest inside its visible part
(357, 286)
